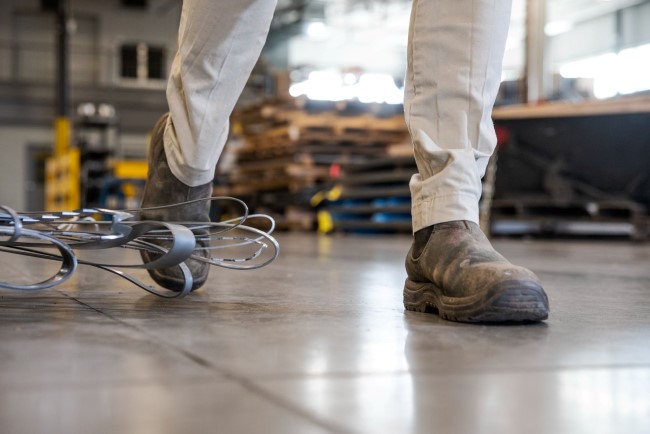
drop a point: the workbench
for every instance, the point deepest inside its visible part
(575, 168)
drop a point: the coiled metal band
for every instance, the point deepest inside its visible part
(54, 236)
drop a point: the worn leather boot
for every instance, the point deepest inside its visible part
(163, 188)
(454, 271)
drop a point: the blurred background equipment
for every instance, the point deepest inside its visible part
(317, 138)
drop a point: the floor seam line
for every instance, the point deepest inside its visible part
(579, 274)
(237, 379)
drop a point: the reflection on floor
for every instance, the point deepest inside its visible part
(319, 342)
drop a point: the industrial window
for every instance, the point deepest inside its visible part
(155, 63)
(134, 4)
(142, 62)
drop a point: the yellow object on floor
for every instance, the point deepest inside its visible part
(62, 181)
(132, 169)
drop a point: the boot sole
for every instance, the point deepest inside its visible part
(514, 301)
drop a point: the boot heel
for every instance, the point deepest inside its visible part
(418, 297)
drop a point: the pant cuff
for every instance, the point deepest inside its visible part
(184, 173)
(444, 208)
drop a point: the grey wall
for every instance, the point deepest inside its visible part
(13, 162)
(27, 50)
(626, 28)
(636, 25)
(27, 77)
(28, 55)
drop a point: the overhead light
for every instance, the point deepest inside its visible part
(330, 85)
(317, 30)
(555, 28)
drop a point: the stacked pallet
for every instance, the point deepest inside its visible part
(543, 216)
(289, 155)
(374, 196)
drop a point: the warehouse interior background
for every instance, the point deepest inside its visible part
(336, 60)
(320, 341)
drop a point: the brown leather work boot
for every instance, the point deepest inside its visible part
(454, 271)
(163, 188)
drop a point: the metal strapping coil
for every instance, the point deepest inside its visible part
(56, 236)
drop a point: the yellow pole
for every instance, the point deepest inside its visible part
(62, 133)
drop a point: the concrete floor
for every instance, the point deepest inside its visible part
(319, 343)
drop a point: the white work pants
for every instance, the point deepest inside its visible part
(455, 52)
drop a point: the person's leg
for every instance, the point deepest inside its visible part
(454, 69)
(219, 42)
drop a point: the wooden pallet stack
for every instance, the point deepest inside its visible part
(374, 195)
(288, 156)
(543, 216)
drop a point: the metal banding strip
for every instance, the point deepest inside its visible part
(35, 234)
(68, 262)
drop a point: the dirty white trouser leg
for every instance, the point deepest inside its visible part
(218, 45)
(454, 68)
(455, 55)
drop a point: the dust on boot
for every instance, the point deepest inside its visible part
(454, 271)
(163, 188)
